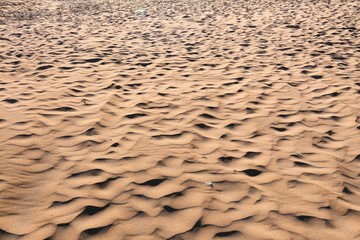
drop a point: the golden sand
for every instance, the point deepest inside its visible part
(186, 119)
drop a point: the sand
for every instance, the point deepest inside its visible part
(114, 115)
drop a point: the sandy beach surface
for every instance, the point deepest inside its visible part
(181, 120)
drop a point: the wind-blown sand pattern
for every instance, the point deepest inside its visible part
(112, 121)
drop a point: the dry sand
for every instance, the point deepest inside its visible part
(112, 121)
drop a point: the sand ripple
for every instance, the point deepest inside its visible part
(111, 123)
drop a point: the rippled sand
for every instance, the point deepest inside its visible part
(114, 114)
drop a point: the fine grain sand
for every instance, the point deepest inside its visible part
(114, 114)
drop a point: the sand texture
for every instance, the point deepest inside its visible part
(114, 115)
